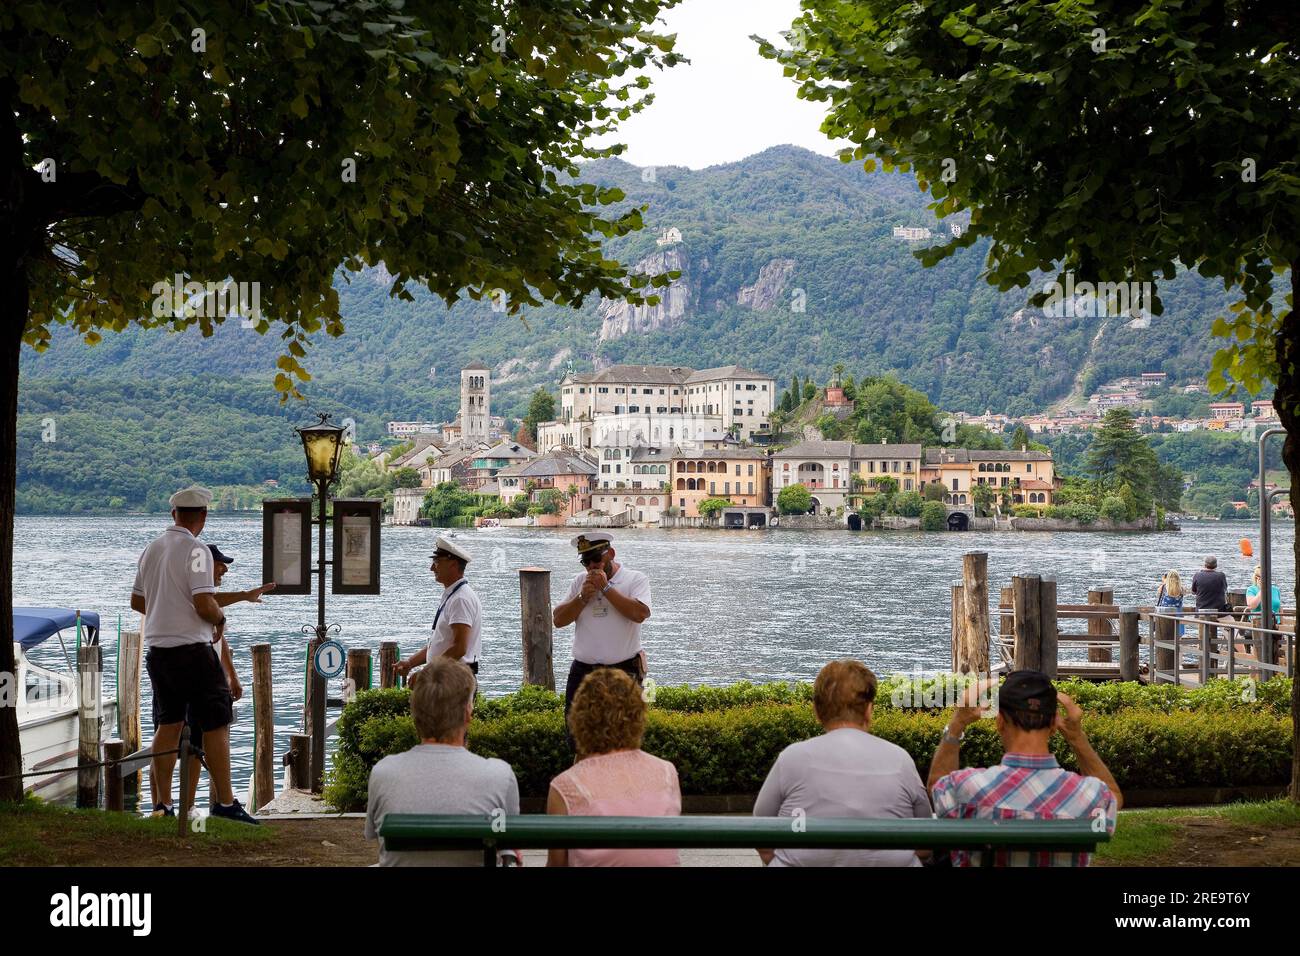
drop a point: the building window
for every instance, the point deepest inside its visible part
(907, 484)
(751, 487)
(726, 487)
(954, 484)
(713, 487)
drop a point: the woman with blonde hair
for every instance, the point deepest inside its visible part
(613, 776)
(1170, 595)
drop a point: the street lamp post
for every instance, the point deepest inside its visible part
(322, 443)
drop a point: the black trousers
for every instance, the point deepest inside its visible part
(580, 669)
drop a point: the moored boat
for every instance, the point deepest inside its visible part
(49, 699)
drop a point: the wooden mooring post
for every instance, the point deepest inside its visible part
(537, 626)
(388, 664)
(183, 799)
(90, 665)
(129, 651)
(263, 728)
(358, 671)
(954, 633)
(1048, 629)
(114, 795)
(1128, 643)
(1099, 627)
(973, 645)
(1029, 621)
(299, 760)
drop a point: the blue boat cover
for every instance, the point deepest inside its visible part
(32, 625)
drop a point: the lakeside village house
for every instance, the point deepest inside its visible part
(633, 441)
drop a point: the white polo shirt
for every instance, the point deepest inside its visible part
(173, 568)
(460, 605)
(601, 635)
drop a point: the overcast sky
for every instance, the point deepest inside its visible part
(728, 102)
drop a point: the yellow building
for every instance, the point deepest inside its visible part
(1018, 477)
(741, 475)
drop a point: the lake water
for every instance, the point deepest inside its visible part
(726, 605)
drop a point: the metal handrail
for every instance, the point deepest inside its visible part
(1206, 647)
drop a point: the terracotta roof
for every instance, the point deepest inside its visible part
(818, 449)
(861, 450)
(725, 371)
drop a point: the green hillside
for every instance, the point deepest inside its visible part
(867, 302)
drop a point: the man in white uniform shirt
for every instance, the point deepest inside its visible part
(175, 590)
(458, 622)
(608, 602)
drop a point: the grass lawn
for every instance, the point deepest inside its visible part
(35, 833)
(1242, 834)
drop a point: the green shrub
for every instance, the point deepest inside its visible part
(725, 739)
(1114, 509)
(1028, 511)
(1084, 514)
(909, 504)
(934, 516)
(794, 500)
(711, 506)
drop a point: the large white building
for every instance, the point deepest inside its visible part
(668, 404)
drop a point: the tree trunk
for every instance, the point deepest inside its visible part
(13, 319)
(1286, 400)
(16, 241)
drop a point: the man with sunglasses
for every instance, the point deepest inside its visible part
(606, 604)
(458, 622)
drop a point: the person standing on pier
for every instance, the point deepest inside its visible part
(175, 590)
(607, 604)
(1210, 586)
(458, 622)
(221, 564)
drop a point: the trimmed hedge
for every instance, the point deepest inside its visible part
(724, 740)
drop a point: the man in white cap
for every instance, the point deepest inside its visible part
(608, 602)
(458, 622)
(176, 591)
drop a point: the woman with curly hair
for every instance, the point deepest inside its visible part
(613, 776)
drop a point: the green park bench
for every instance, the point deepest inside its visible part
(420, 831)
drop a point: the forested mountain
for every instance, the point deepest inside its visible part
(788, 265)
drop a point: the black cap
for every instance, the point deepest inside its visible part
(219, 557)
(1029, 691)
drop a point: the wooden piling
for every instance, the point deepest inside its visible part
(954, 631)
(129, 650)
(300, 761)
(1007, 623)
(536, 624)
(1048, 631)
(90, 664)
(1099, 627)
(183, 800)
(974, 656)
(358, 670)
(1128, 644)
(1026, 590)
(114, 796)
(388, 664)
(263, 728)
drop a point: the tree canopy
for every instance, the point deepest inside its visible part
(1107, 141)
(171, 145)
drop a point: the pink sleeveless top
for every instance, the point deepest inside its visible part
(625, 783)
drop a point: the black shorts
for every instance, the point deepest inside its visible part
(189, 684)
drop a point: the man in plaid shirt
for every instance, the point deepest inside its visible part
(1028, 784)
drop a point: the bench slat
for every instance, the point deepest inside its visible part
(403, 831)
